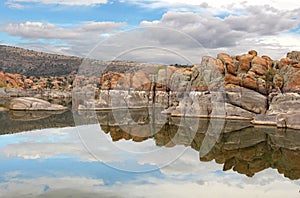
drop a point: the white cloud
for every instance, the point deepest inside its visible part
(42, 186)
(39, 30)
(217, 4)
(178, 37)
(214, 5)
(214, 32)
(207, 185)
(44, 30)
(40, 144)
(83, 143)
(19, 3)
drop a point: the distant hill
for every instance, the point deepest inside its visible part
(31, 63)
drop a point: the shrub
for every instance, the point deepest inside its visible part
(4, 85)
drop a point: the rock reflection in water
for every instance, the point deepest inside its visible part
(242, 147)
(19, 121)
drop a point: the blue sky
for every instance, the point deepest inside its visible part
(64, 15)
(75, 27)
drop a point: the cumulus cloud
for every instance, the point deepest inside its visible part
(44, 30)
(39, 30)
(214, 5)
(70, 40)
(178, 37)
(214, 32)
(264, 20)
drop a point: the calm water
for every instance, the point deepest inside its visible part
(50, 155)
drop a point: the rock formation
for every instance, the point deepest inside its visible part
(34, 104)
(244, 86)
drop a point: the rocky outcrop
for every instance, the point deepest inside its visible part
(11, 80)
(288, 120)
(244, 86)
(263, 119)
(34, 104)
(284, 112)
(290, 69)
(8, 80)
(284, 103)
(42, 94)
(247, 99)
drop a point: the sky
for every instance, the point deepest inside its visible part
(158, 31)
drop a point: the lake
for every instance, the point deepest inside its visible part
(138, 153)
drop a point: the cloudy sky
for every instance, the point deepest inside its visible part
(152, 30)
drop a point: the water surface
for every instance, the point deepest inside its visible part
(46, 155)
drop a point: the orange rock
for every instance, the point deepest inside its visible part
(231, 79)
(296, 65)
(228, 62)
(109, 80)
(249, 81)
(284, 62)
(291, 77)
(220, 66)
(245, 62)
(294, 55)
(252, 52)
(231, 69)
(258, 69)
(141, 81)
(267, 58)
(293, 85)
(11, 80)
(269, 61)
(115, 79)
(260, 61)
(124, 81)
(237, 57)
(139, 139)
(225, 58)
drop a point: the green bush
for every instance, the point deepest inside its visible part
(3, 85)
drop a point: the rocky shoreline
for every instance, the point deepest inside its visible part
(247, 86)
